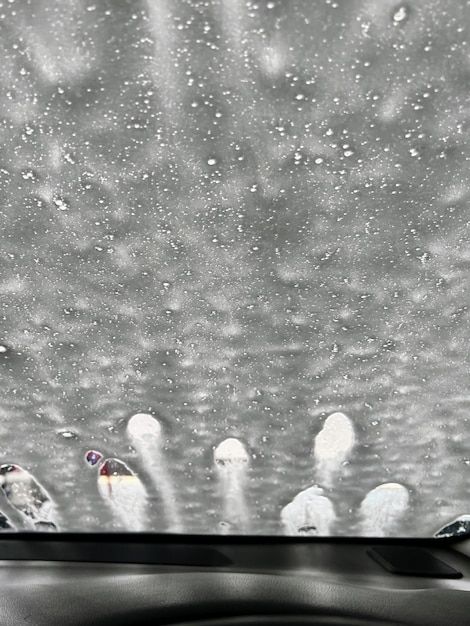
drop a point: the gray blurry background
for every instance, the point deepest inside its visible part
(241, 216)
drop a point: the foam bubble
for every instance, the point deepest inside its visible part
(383, 508)
(332, 447)
(309, 513)
(142, 425)
(145, 433)
(231, 451)
(232, 462)
(124, 493)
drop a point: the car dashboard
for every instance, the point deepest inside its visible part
(226, 581)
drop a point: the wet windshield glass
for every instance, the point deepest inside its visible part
(234, 266)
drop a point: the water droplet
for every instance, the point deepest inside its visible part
(69, 158)
(68, 434)
(60, 203)
(400, 14)
(28, 175)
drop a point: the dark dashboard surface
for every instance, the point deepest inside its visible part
(72, 580)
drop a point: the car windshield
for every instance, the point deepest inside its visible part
(234, 266)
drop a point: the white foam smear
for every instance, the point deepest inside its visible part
(382, 509)
(232, 463)
(28, 497)
(124, 493)
(160, 24)
(145, 434)
(332, 447)
(309, 513)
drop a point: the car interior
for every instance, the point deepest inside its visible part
(234, 320)
(211, 581)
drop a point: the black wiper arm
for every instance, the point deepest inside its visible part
(460, 526)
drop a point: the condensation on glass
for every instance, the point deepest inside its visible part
(234, 265)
